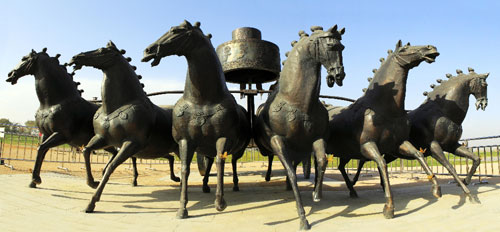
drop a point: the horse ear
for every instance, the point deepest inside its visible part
(342, 31)
(408, 44)
(332, 29)
(110, 44)
(486, 75)
(33, 51)
(398, 45)
(186, 24)
(197, 24)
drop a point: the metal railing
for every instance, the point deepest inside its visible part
(20, 143)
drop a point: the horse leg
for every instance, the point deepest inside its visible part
(136, 174)
(388, 159)
(361, 162)
(320, 154)
(236, 188)
(438, 154)
(407, 149)
(210, 161)
(113, 152)
(221, 147)
(288, 184)
(171, 161)
(97, 142)
(342, 163)
(202, 165)
(186, 152)
(371, 152)
(306, 167)
(464, 152)
(279, 148)
(269, 166)
(53, 140)
(127, 150)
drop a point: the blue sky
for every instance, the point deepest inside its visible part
(466, 33)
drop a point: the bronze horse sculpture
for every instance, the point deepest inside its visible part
(127, 118)
(377, 123)
(63, 116)
(436, 123)
(293, 122)
(206, 119)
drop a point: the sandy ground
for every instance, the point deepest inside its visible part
(260, 206)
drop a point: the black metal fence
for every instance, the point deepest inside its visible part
(20, 143)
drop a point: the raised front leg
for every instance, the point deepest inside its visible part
(171, 161)
(127, 150)
(278, 145)
(464, 152)
(97, 142)
(438, 154)
(221, 147)
(320, 154)
(343, 162)
(407, 149)
(53, 140)
(371, 152)
(210, 162)
(186, 152)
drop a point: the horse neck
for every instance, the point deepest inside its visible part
(387, 91)
(53, 84)
(452, 98)
(205, 81)
(120, 86)
(300, 81)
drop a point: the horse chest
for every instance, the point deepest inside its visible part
(288, 120)
(447, 132)
(198, 122)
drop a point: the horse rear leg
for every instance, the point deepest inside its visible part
(306, 167)
(279, 148)
(171, 161)
(97, 142)
(127, 150)
(407, 149)
(438, 154)
(136, 174)
(320, 154)
(269, 167)
(342, 164)
(371, 152)
(464, 152)
(54, 140)
(208, 167)
(361, 162)
(113, 152)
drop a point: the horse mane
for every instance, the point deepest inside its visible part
(452, 80)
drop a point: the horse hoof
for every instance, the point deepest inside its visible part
(304, 225)
(388, 211)
(474, 199)
(317, 197)
(93, 184)
(37, 180)
(236, 188)
(353, 194)
(90, 208)
(436, 191)
(175, 179)
(268, 178)
(32, 184)
(220, 205)
(134, 183)
(206, 189)
(182, 213)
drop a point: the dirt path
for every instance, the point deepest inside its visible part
(260, 206)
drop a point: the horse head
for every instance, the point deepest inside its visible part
(411, 56)
(177, 41)
(479, 88)
(100, 58)
(328, 50)
(26, 67)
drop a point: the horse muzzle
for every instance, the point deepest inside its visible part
(335, 76)
(481, 103)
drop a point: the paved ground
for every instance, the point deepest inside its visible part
(56, 205)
